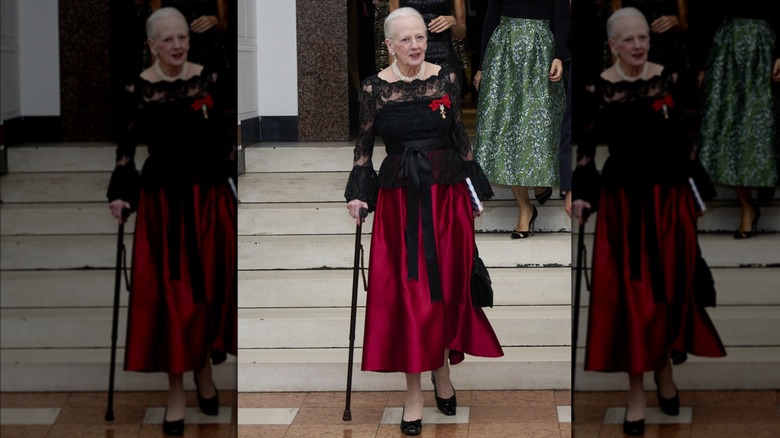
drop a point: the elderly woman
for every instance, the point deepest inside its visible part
(419, 313)
(646, 259)
(183, 293)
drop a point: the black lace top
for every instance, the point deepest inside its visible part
(182, 125)
(643, 129)
(407, 112)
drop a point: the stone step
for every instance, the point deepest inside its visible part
(286, 187)
(724, 217)
(66, 157)
(733, 286)
(338, 251)
(61, 252)
(332, 218)
(333, 288)
(60, 328)
(327, 328)
(54, 187)
(58, 218)
(753, 326)
(53, 370)
(720, 250)
(51, 289)
(262, 370)
(273, 157)
(744, 368)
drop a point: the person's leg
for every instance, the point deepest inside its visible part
(444, 388)
(749, 212)
(177, 401)
(413, 402)
(205, 382)
(635, 410)
(664, 378)
(525, 213)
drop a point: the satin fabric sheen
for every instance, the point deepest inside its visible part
(167, 330)
(627, 329)
(404, 330)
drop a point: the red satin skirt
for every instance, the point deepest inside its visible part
(404, 330)
(168, 329)
(629, 329)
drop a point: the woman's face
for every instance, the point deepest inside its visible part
(631, 41)
(409, 42)
(171, 42)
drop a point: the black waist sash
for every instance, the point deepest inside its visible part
(415, 171)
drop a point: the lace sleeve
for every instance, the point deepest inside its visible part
(363, 183)
(125, 183)
(127, 138)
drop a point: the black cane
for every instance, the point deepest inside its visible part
(576, 309)
(355, 278)
(120, 246)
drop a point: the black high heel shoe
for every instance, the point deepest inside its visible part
(172, 428)
(523, 234)
(541, 199)
(447, 406)
(634, 428)
(669, 406)
(753, 227)
(411, 428)
(209, 406)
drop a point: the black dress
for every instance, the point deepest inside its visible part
(183, 290)
(646, 259)
(422, 240)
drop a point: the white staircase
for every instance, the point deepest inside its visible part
(58, 246)
(296, 249)
(747, 315)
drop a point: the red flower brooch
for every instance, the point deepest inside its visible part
(203, 104)
(440, 104)
(664, 104)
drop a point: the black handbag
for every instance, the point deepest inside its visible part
(481, 285)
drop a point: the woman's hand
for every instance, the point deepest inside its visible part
(441, 23)
(580, 210)
(664, 23)
(354, 207)
(117, 206)
(567, 203)
(204, 23)
(776, 71)
(477, 79)
(556, 70)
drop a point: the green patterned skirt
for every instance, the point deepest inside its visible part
(519, 111)
(737, 144)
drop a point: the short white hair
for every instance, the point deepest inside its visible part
(401, 13)
(626, 12)
(161, 13)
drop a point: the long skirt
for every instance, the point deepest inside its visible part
(738, 144)
(171, 327)
(405, 331)
(519, 112)
(633, 324)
